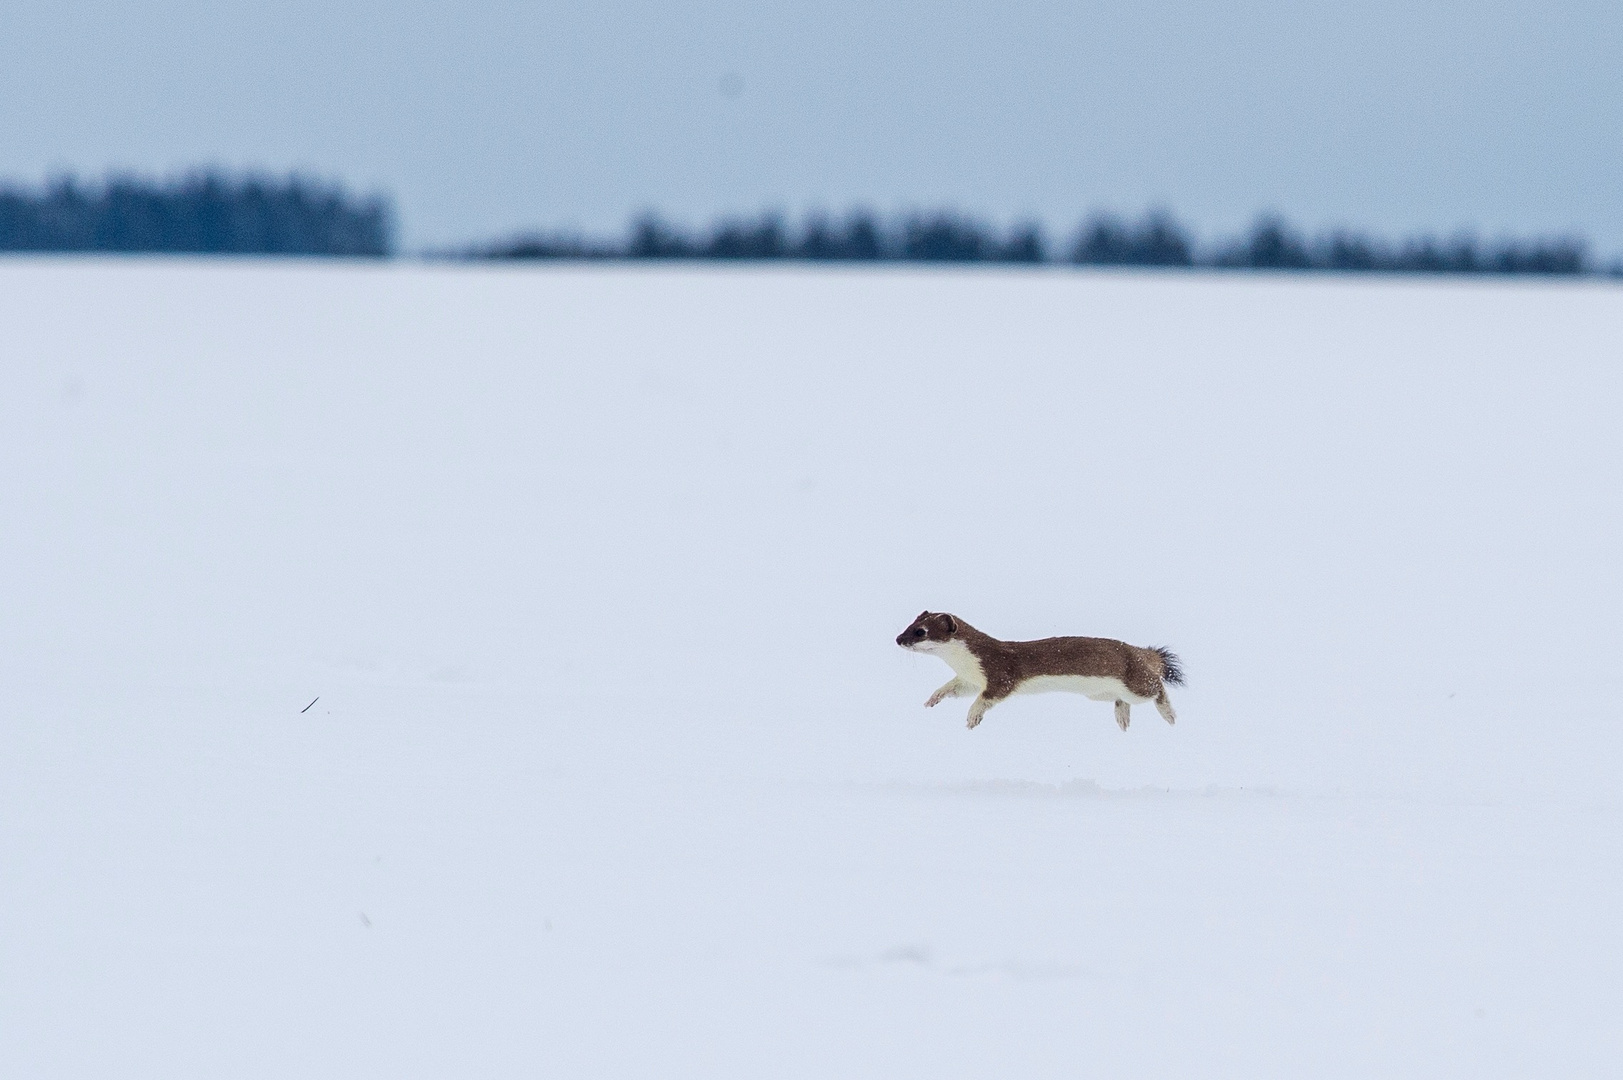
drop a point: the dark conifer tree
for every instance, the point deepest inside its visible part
(818, 240)
(761, 239)
(1343, 250)
(1025, 244)
(943, 237)
(651, 238)
(1155, 240)
(1272, 245)
(863, 238)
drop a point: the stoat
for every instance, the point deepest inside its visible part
(990, 670)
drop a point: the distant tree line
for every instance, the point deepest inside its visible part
(205, 212)
(214, 212)
(1155, 239)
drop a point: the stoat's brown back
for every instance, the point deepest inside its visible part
(1013, 662)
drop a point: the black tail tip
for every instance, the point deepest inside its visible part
(1171, 666)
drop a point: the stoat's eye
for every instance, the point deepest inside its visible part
(918, 631)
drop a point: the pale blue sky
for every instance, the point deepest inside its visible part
(488, 116)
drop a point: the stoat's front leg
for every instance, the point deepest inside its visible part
(954, 688)
(978, 709)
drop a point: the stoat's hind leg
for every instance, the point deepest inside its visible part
(954, 688)
(1163, 705)
(1124, 714)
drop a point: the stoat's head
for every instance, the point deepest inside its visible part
(930, 632)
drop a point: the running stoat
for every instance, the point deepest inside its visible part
(991, 670)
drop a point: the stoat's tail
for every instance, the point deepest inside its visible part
(1171, 666)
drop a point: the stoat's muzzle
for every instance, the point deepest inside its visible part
(912, 637)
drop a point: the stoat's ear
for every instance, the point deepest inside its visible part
(952, 624)
(923, 615)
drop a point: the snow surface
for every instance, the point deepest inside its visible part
(615, 769)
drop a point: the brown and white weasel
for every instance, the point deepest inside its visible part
(991, 670)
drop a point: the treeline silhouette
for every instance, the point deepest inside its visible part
(204, 212)
(1154, 239)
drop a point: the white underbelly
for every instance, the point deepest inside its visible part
(1097, 687)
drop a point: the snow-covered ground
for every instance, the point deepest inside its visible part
(616, 770)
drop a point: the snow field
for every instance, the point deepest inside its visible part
(615, 769)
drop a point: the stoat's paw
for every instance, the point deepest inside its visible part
(972, 721)
(935, 699)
